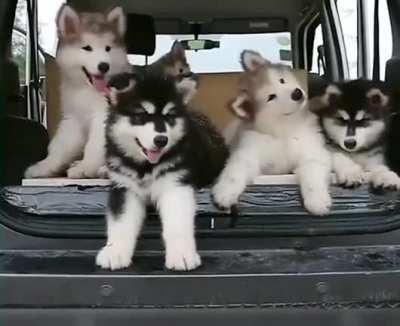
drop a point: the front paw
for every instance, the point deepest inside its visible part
(225, 196)
(42, 169)
(114, 256)
(385, 180)
(182, 259)
(350, 177)
(318, 203)
(83, 170)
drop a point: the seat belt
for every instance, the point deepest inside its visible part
(376, 66)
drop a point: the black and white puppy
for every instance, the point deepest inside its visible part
(156, 152)
(355, 116)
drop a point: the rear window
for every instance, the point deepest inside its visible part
(274, 46)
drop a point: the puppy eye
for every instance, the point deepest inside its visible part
(341, 120)
(171, 113)
(108, 48)
(140, 110)
(87, 48)
(282, 81)
(271, 97)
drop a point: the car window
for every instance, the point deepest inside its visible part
(347, 10)
(18, 46)
(274, 46)
(316, 59)
(385, 33)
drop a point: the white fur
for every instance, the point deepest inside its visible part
(122, 234)
(178, 224)
(384, 99)
(125, 133)
(350, 169)
(81, 129)
(252, 60)
(364, 137)
(284, 138)
(117, 15)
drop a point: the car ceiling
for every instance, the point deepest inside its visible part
(204, 10)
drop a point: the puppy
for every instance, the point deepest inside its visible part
(355, 117)
(157, 152)
(280, 136)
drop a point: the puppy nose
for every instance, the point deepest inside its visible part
(160, 141)
(103, 67)
(297, 95)
(350, 143)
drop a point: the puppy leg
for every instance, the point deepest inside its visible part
(177, 208)
(348, 173)
(383, 177)
(66, 146)
(125, 216)
(314, 178)
(94, 155)
(241, 169)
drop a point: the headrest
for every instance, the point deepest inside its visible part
(140, 35)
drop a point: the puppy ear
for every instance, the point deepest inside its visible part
(120, 85)
(68, 22)
(252, 60)
(117, 18)
(241, 107)
(188, 88)
(177, 50)
(329, 98)
(377, 99)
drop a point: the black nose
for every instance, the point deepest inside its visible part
(103, 67)
(297, 95)
(350, 143)
(160, 141)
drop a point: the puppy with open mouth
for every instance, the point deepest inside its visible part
(91, 49)
(155, 152)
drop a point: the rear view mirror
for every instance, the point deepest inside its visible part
(200, 44)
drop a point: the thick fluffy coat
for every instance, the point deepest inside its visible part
(91, 48)
(355, 116)
(280, 136)
(157, 152)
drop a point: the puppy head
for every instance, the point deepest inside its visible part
(91, 46)
(353, 114)
(266, 89)
(146, 124)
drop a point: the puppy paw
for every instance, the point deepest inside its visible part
(102, 173)
(114, 257)
(42, 169)
(318, 204)
(351, 177)
(182, 259)
(83, 170)
(225, 196)
(386, 180)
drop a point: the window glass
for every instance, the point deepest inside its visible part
(385, 35)
(225, 58)
(47, 13)
(18, 45)
(318, 41)
(347, 10)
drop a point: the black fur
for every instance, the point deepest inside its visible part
(116, 199)
(393, 137)
(353, 99)
(201, 152)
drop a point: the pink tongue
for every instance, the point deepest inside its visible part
(100, 84)
(153, 156)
